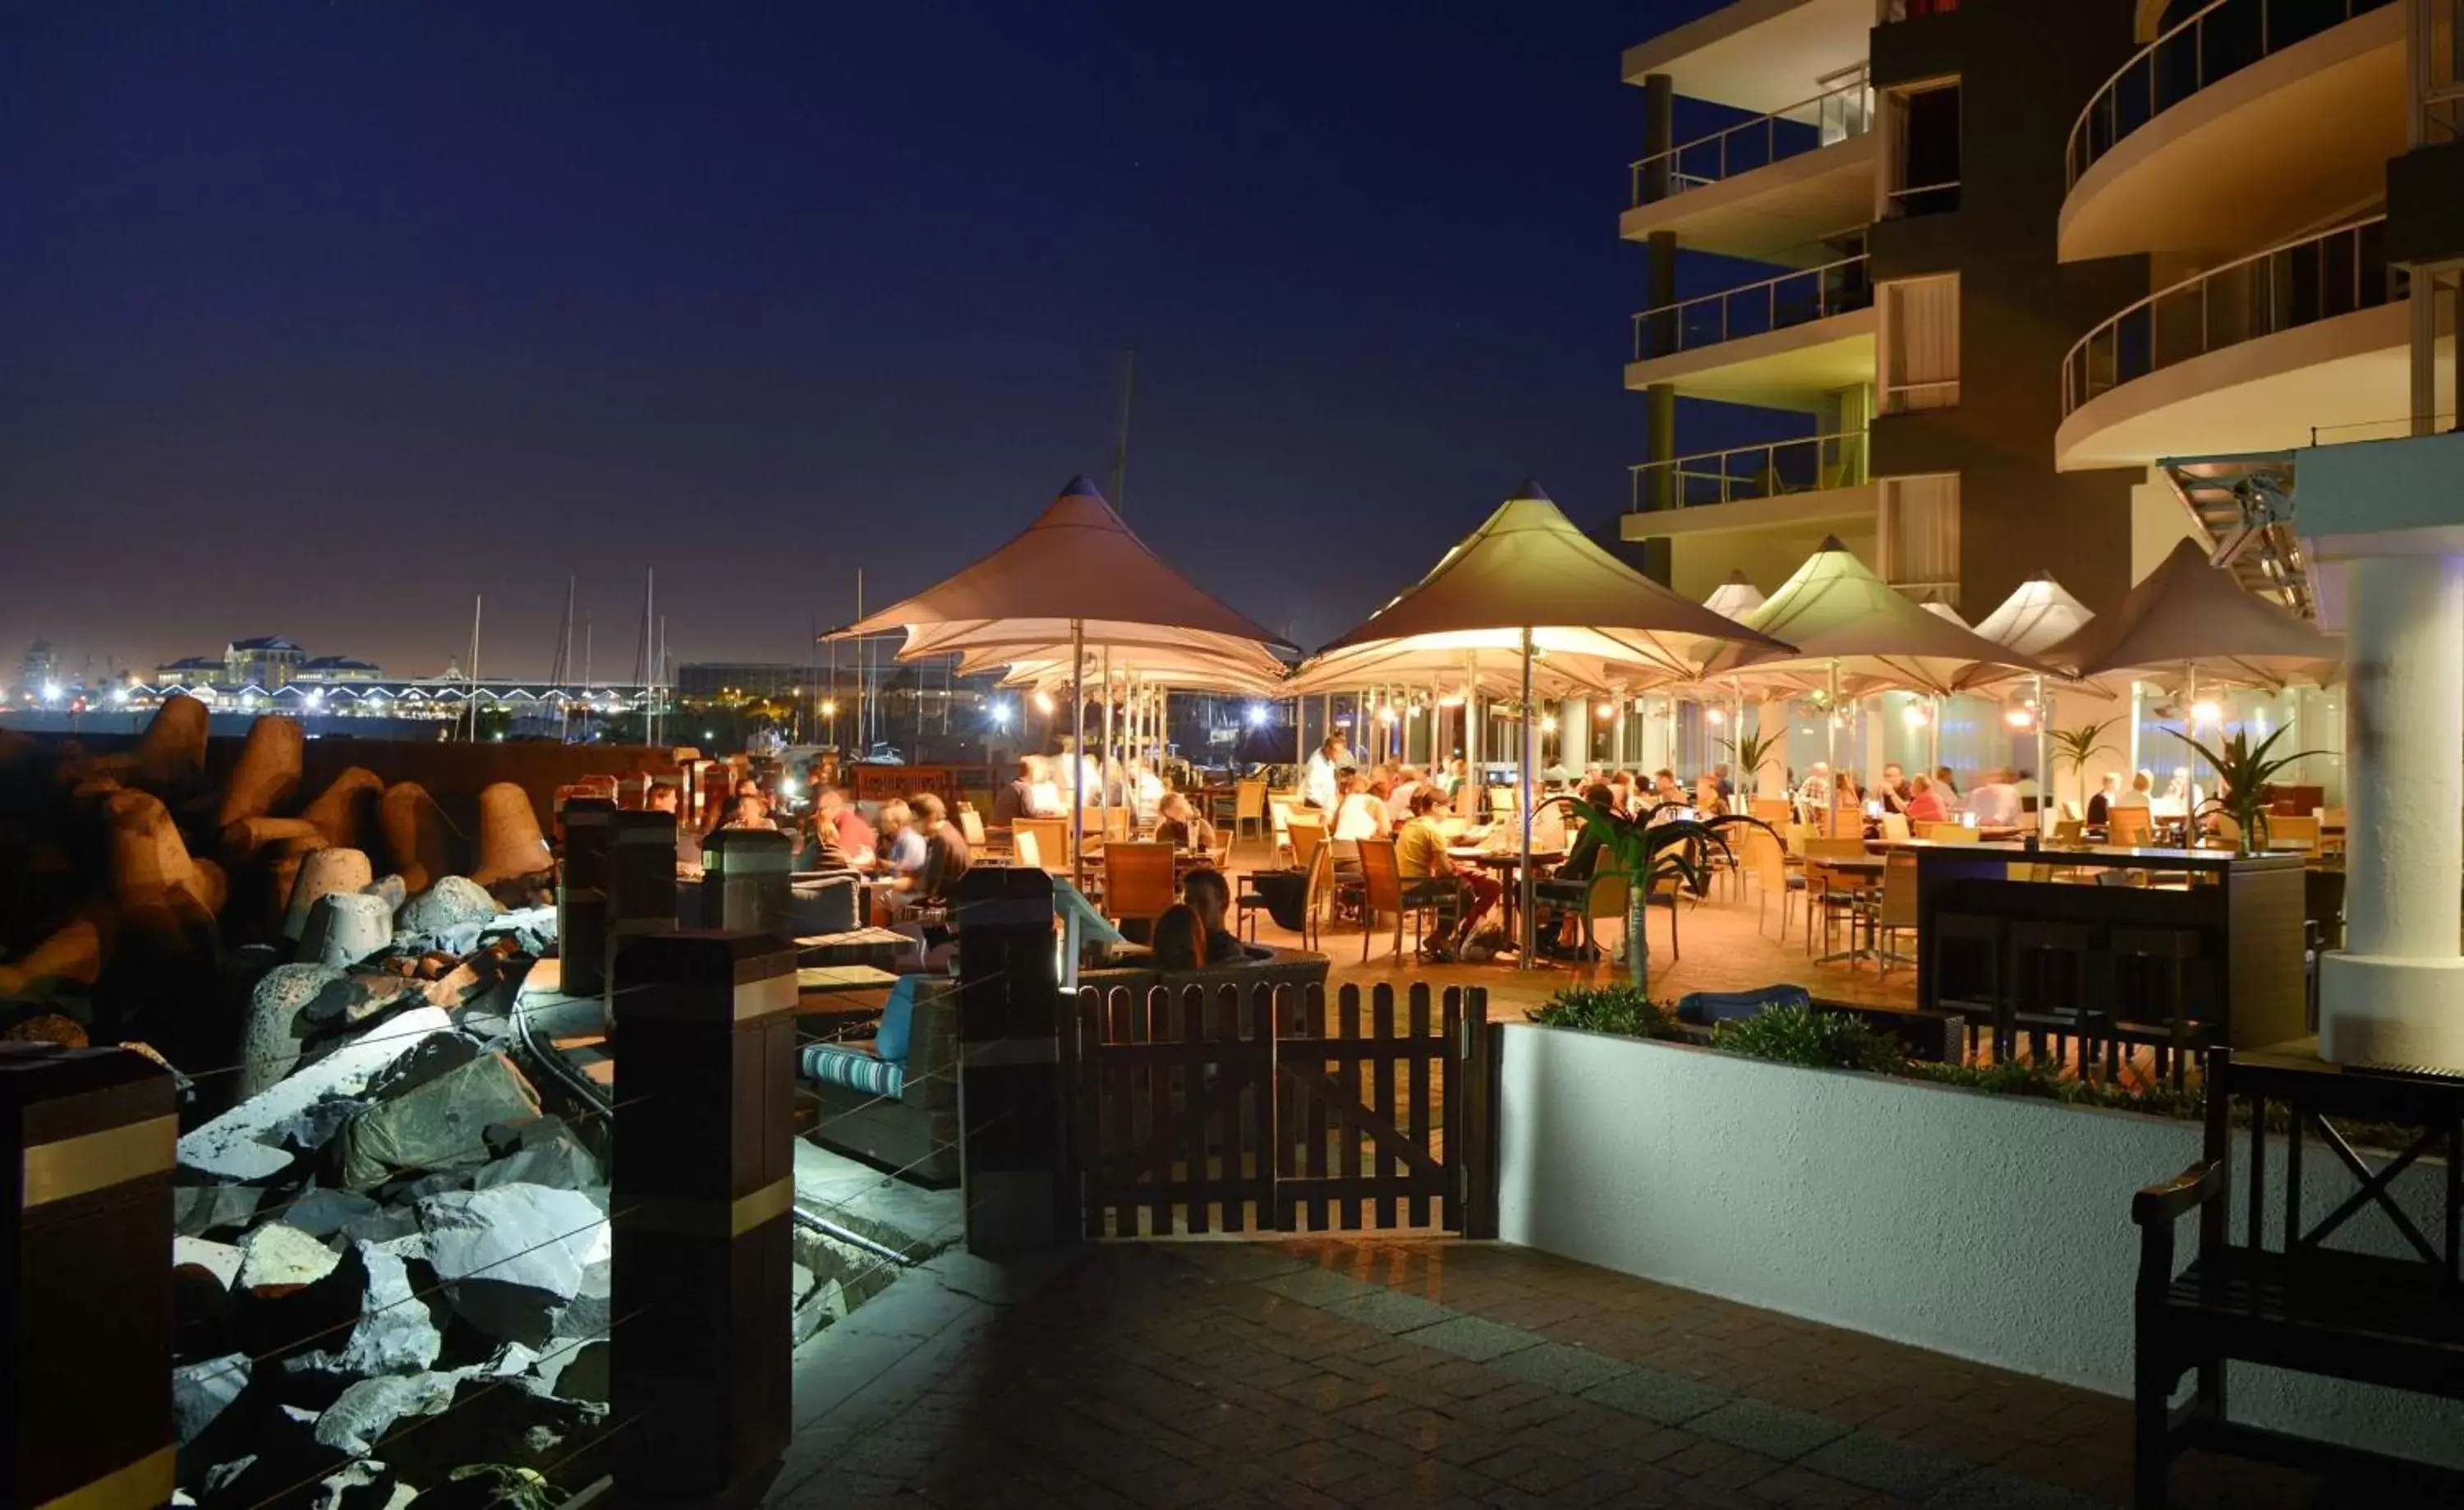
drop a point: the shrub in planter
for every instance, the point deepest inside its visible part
(1819, 1041)
(1609, 1009)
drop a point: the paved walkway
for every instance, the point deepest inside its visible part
(1370, 1373)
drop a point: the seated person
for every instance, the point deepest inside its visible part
(946, 856)
(903, 848)
(1568, 889)
(1360, 815)
(1423, 865)
(1179, 826)
(1179, 939)
(817, 849)
(2100, 807)
(1209, 896)
(856, 838)
(665, 797)
(1924, 801)
(746, 811)
(1016, 799)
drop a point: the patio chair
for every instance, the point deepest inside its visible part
(1767, 862)
(1774, 811)
(1138, 881)
(1048, 837)
(2293, 833)
(1249, 900)
(972, 826)
(1249, 809)
(1895, 909)
(1838, 896)
(1025, 849)
(1895, 827)
(2128, 827)
(1382, 891)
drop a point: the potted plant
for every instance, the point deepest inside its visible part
(1753, 753)
(2076, 747)
(1682, 850)
(2244, 772)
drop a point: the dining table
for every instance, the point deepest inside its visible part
(1507, 863)
(1868, 869)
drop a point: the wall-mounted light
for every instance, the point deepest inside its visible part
(1547, 723)
(2204, 711)
(1915, 716)
(1715, 717)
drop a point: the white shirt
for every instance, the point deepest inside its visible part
(1362, 816)
(1995, 803)
(1318, 783)
(1044, 800)
(2127, 797)
(1398, 802)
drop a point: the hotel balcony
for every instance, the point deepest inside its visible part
(1761, 508)
(2243, 122)
(1765, 188)
(1782, 342)
(2304, 341)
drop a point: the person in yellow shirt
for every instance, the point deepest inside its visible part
(1421, 862)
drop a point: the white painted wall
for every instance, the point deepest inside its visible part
(1990, 1228)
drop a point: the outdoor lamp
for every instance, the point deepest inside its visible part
(2204, 711)
(2019, 715)
(1913, 715)
(1607, 712)
(1547, 723)
(1714, 717)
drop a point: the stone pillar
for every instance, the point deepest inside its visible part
(86, 1140)
(1018, 1198)
(641, 886)
(2395, 993)
(582, 893)
(1771, 724)
(702, 1208)
(1574, 733)
(1658, 135)
(745, 882)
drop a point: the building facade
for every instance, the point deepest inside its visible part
(2037, 287)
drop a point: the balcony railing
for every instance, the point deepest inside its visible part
(1916, 9)
(1835, 116)
(1772, 469)
(1775, 303)
(2219, 40)
(2283, 288)
(2438, 44)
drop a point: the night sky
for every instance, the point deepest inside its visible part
(319, 318)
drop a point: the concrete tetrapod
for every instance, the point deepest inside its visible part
(153, 882)
(170, 757)
(347, 927)
(268, 772)
(511, 844)
(345, 812)
(321, 873)
(417, 834)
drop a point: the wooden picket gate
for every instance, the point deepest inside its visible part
(1272, 1108)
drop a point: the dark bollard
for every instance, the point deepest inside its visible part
(744, 881)
(641, 885)
(1018, 1194)
(581, 893)
(701, 1206)
(87, 1148)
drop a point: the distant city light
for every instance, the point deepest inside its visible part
(786, 786)
(119, 697)
(51, 692)
(316, 700)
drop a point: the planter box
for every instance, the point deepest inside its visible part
(1990, 1228)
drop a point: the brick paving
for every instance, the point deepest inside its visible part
(1368, 1373)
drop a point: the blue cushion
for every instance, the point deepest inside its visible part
(1702, 1008)
(854, 1067)
(897, 1019)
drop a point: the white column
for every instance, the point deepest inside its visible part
(1771, 724)
(2395, 993)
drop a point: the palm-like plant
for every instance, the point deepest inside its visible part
(2076, 747)
(1646, 853)
(2244, 772)
(1751, 752)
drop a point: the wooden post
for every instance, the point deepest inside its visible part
(1475, 1108)
(86, 1149)
(581, 893)
(641, 884)
(702, 1209)
(744, 881)
(1013, 1157)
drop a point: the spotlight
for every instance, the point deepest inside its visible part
(1386, 715)
(2204, 711)
(1608, 711)
(1547, 723)
(1715, 717)
(1257, 715)
(2019, 715)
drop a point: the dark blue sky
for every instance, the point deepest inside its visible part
(319, 318)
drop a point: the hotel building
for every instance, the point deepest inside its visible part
(2035, 287)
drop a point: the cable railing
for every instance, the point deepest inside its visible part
(2300, 283)
(1770, 469)
(1753, 309)
(1808, 125)
(2219, 40)
(2438, 46)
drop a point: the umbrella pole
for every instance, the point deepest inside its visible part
(1104, 767)
(1527, 945)
(1078, 753)
(2044, 772)
(1831, 753)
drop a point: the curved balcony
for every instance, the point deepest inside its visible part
(2246, 122)
(2249, 356)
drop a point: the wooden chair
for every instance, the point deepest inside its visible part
(1025, 848)
(1468, 802)
(1837, 894)
(971, 824)
(2129, 828)
(1249, 811)
(1248, 904)
(1606, 898)
(1895, 827)
(2331, 829)
(1045, 838)
(1767, 860)
(1138, 881)
(1894, 910)
(1774, 811)
(1946, 833)
(2290, 832)
(1381, 892)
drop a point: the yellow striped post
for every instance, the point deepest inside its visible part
(89, 1138)
(641, 886)
(581, 893)
(701, 1203)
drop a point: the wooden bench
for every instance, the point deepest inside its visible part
(2279, 1296)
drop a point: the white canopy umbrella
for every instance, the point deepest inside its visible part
(1531, 591)
(2192, 620)
(1029, 603)
(1857, 635)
